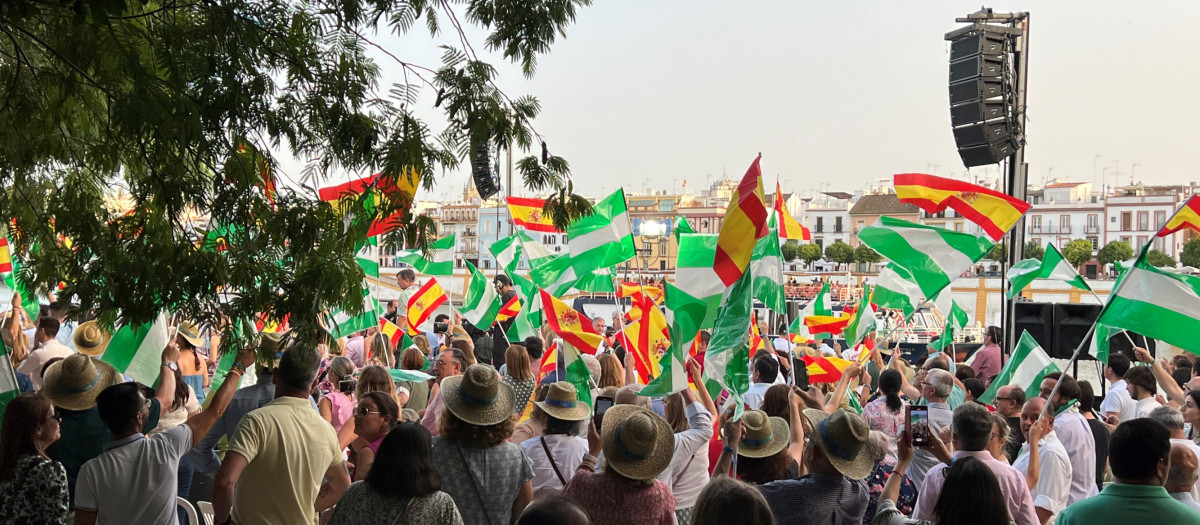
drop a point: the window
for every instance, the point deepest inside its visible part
(1160, 219)
(820, 225)
(1160, 244)
(1141, 242)
(819, 241)
(860, 225)
(1143, 220)
(1035, 222)
(958, 226)
(662, 249)
(1095, 242)
(837, 225)
(1126, 221)
(1093, 223)
(1064, 223)
(1127, 240)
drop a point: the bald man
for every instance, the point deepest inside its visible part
(1181, 478)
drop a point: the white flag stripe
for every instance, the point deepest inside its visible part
(951, 261)
(1160, 290)
(618, 229)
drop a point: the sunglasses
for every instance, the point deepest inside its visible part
(362, 411)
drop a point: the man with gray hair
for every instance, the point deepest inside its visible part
(972, 432)
(1173, 420)
(934, 387)
(1181, 478)
(280, 453)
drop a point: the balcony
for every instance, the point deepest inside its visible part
(1092, 229)
(1050, 228)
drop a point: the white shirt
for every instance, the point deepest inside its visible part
(688, 472)
(827, 351)
(568, 452)
(1117, 400)
(37, 359)
(135, 480)
(1054, 474)
(1076, 436)
(1195, 450)
(753, 397)
(1143, 407)
(1187, 499)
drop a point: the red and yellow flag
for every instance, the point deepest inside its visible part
(745, 223)
(549, 361)
(827, 323)
(789, 227)
(633, 289)
(528, 213)
(574, 327)
(509, 310)
(390, 331)
(825, 369)
(993, 211)
(400, 189)
(647, 339)
(268, 326)
(1188, 216)
(5, 256)
(424, 303)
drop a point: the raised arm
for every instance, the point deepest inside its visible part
(165, 393)
(697, 374)
(1168, 384)
(839, 392)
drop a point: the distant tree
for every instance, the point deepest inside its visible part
(1078, 252)
(1034, 251)
(864, 254)
(1159, 259)
(809, 253)
(1191, 253)
(840, 252)
(790, 251)
(1114, 252)
(999, 252)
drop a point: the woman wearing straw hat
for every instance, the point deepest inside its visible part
(488, 477)
(559, 450)
(191, 366)
(763, 449)
(637, 446)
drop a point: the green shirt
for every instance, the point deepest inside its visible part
(1123, 504)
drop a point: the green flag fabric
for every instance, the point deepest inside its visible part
(345, 323)
(1026, 368)
(728, 359)
(766, 265)
(481, 303)
(681, 226)
(556, 274)
(136, 351)
(1157, 304)
(934, 257)
(440, 260)
(1052, 266)
(694, 274)
(687, 313)
(604, 238)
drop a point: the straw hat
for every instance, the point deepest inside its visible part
(562, 402)
(90, 339)
(763, 436)
(478, 396)
(190, 333)
(842, 438)
(74, 382)
(637, 443)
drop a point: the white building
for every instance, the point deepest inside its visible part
(1134, 217)
(828, 217)
(1063, 212)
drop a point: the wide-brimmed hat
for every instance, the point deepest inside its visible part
(842, 437)
(637, 443)
(90, 339)
(478, 396)
(562, 402)
(190, 332)
(74, 382)
(763, 436)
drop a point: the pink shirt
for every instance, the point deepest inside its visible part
(1012, 486)
(432, 411)
(342, 408)
(987, 362)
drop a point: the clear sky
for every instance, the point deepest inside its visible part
(838, 94)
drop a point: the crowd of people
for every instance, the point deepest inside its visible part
(315, 434)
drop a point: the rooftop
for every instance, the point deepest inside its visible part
(882, 205)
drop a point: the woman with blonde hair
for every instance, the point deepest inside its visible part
(418, 391)
(370, 379)
(611, 371)
(422, 344)
(517, 376)
(337, 407)
(13, 334)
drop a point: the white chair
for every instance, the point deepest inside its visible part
(206, 510)
(189, 510)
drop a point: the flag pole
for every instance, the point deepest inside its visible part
(1123, 331)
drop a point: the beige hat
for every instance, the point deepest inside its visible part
(842, 438)
(562, 402)
(90, 339)
(478, 396)
(763, 436)
(190, 332)
(637, 443)
(74, 382)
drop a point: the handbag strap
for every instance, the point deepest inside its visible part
(552, 463)
(478, 492)
(682, 472)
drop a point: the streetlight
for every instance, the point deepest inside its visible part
(652, 233)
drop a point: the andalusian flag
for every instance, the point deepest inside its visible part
(934, 256)
(647, 338)
(1026, 369)
(529, 318)
(895, 288)
(346, 323)
(136, 351)
(556, 274)
(527, 213)
(685, 324)
(728, 360)
(507, 251)
(575, 371)
(399, 375)
(745, 223)
(370, 267)
(694, 273)
(1188, 216)
(604, 238)
(572, 326)
(439, 262)
(953, 314)
(597, 281)
(680, 226)
(789, 227)
(1098, 347)
(481, 303)
(1052, 266)
(766, 265)
(863, 322)
(423, 304)
(993, 211)
(1157, 304)
(380, 188)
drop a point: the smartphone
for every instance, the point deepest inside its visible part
(800, 375)
(602, 404)
(918, 425)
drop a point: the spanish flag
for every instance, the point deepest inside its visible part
(647, 339)
(268, 326)
(575, 328)
(993, 211)
(510, 309)
(789, 227)
(549, 361)
(391, 331)
(424, 303)
(745, 223)
(5, 256)
(1188, 216)
(398, 189)
(634, 289)
(827, 324)
(528, 213)
(825, 369)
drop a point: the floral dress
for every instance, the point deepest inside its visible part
(879, 418)
(36, 494)
(904, 503)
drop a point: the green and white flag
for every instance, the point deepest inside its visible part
(535, 252)
(933, 256)
(694, 274)
(345, 323)
(1052, 266)
(439, 262)
(863, 322)
(604, 238)
(557, 275)
(728, 359)
(822, 304)
(370, 267)
(9, 389)
(686, 314)
(894, 288)
(481, 303)
(681, 226)
(1157, 304)
(399, 375)
(766, 264)
(136, 351)
(1098, 346)
(529, 319)
(507, 251)
(1026, 368)
(952, 313)
(599, 281)
(575, 371)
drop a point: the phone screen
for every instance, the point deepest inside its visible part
(800, 375)
(918, 425)
(602, 404)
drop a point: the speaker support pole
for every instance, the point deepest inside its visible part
(1018, 173)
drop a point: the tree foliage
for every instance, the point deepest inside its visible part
(809, 253)
(864, 254)
(1160, 259)
(1078, 252)
(183, 105)
(1191, 253)
(1114, 252)
(840, 252)
(999, 252)
(1034, 251)
(790, 251)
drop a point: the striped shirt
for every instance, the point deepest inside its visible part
(817, 498)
